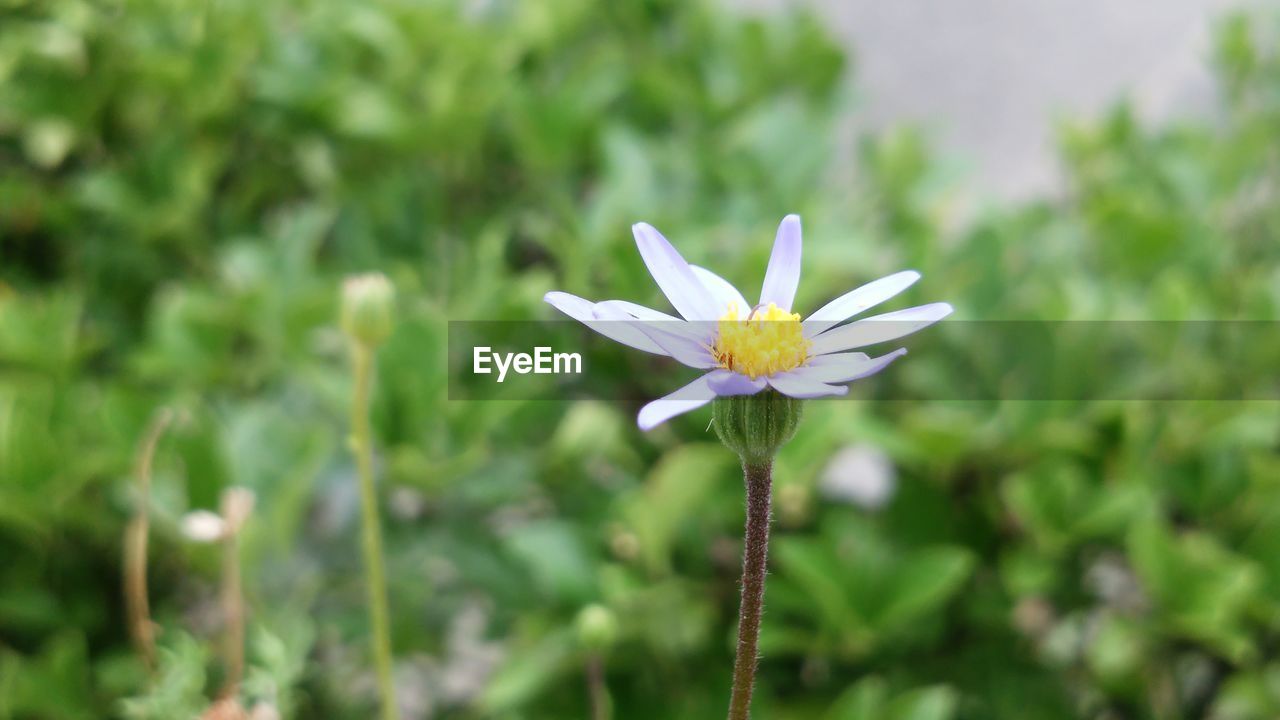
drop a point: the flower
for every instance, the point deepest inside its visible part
(861, 475)
(748, 348)
(367, 307)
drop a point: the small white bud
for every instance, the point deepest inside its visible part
(203, 526)
(264, 711)
(367, 306)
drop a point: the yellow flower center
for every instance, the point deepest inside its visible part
(767, 341)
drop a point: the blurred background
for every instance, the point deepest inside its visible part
(184, 183)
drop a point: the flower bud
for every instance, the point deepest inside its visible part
(203, 526)
(367, 306)
(597, 627)
(756, 426)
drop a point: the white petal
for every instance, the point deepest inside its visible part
(838, 359)
(726, 382)
(702, 331)
(855, 301)
(579, 309)
(722, 290)
(690, 397)
(584, 312)
(673, 275)
(796, 385)
(639, 311)
(853, 368)
(879, 328)
(685, 350)
(672, 337)
(783, 274)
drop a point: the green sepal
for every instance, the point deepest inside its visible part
(756, 426)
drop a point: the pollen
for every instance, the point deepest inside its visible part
(768, 340)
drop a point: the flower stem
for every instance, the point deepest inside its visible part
(597, 690)
(135, 544)
(375, 575)
(232, 597)
(759, 481)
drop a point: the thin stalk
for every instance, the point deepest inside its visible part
(597, 691)
(232, 598)
(759, 481)
(375, 574)
(135, 544)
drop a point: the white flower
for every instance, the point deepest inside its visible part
(860, 474)
(748, 348)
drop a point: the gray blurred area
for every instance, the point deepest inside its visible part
(989, 79)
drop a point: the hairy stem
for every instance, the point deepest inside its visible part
(135, 544)
(759, 479)
(362, 442)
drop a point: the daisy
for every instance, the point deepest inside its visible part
(748, 347)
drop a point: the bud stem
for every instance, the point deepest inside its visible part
(759, 482)
(597, 690)
(232, 602)
(375, 575)
(135, 544)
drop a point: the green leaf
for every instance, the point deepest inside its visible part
(1201, 590)
(923, 582)
(673, 497)
(556, 558)
(531, 666)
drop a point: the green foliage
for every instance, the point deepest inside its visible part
(861, 593)
(871, 700)
(183, 185)
(178, 691)
(53, 682)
